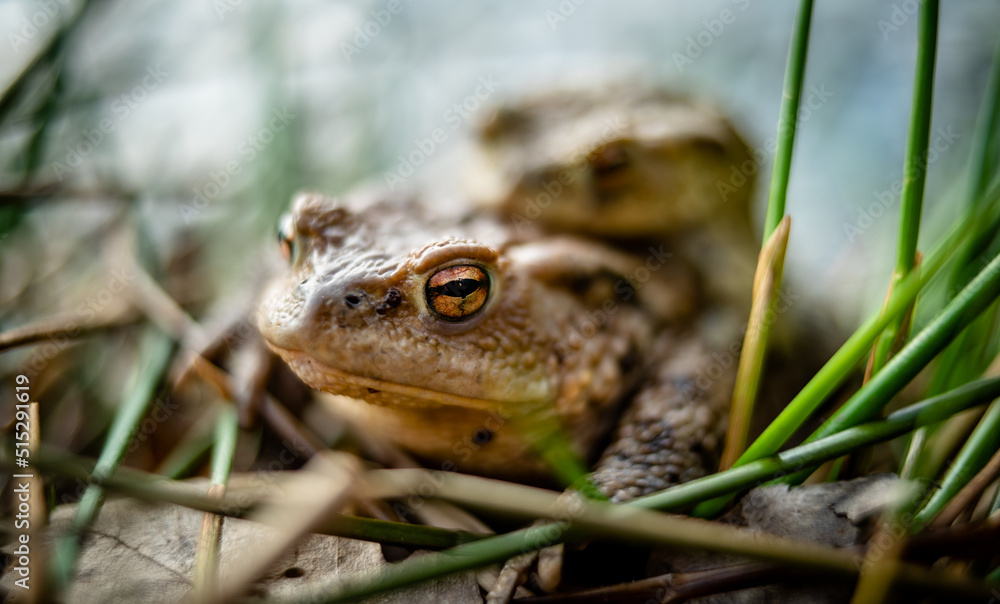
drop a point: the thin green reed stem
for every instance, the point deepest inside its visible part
(953, 367)
(903, 367)
(794, 70)
(154, 355)
(501, 547)
(752, 361)
(154, 488)
(982, 444)
(982, 166)
(843, 362)
(206, 568)
(914, 167)
(906, 419)
(224, 449)
(982, 157)
(195, 443)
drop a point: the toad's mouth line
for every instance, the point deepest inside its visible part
(323, 375)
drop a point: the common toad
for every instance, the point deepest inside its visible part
(449, 333)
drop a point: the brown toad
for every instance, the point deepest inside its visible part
(629, 165)
(452, 335)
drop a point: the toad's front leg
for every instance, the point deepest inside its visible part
(673, 429)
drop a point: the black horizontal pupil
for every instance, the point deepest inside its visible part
(458, 288)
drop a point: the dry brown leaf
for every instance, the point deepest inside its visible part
(139, 552)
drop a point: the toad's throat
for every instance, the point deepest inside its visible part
(327, 378)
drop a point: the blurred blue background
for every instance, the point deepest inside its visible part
(245, 102)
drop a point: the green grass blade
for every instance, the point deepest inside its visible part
(954, 366)
(767, 280)
(192, 448)
(832, 374)
(902, 368)
(905, 420)
(914, 169)
(982, 157)
(766, 285)
(982, 444)
(19, 86)
(206, 568)
(156, 489)
(591, 515)
(847, 358)
(546, 435)
(224, 449)
(996, 503)
(915, 166)
(982, 166)
(154, 355)
(794, 71)
(961, 311)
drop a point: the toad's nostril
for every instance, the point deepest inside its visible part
(352, 300)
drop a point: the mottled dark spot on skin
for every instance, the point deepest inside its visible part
(630, 360)
(324, 314)
(482, 436)
(663, 440)
(392, 299)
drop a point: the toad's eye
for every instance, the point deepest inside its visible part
(457, 292)
(286, 236)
